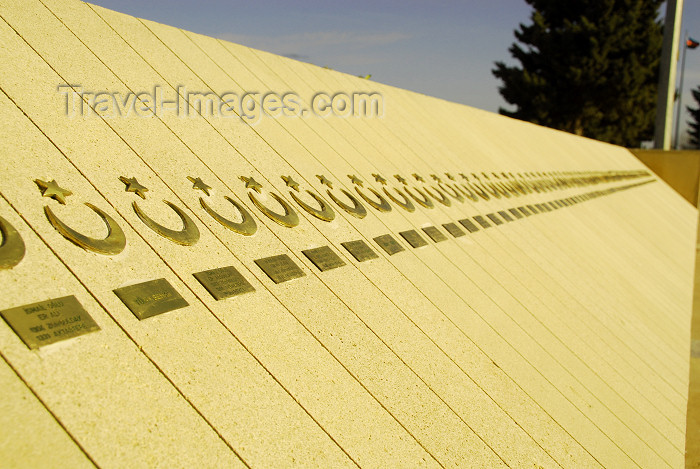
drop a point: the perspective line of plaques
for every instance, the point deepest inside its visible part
(58, 319)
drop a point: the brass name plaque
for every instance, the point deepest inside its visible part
(280, 268)
(515, 213)
(505, 216)
(524, 211)
(150, 298)
(454, 230)
(482, 221)
(359, 250)
(532, 209)
(224, 282)
(389, 244)
(413, 238)
(324, 258)
(494, 218)
(49, 321)
(469, 225)
(435, 234)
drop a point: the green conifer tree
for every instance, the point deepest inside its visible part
(694, 125)
(588, 67)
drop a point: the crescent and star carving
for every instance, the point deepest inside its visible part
(113, 244)
(290, 219)
(404, 204)
(12, 248)
(357, 210)
(325, 212)
(247, 226)
(424, 202)
(382, 205)
(187, 236)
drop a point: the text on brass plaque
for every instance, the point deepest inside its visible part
(515, 213)
(469, 225)
(454, 230)
(280, 268)
(324, 258)
(505, 215)
(532, 209)
(150, 298)
(524, 211)
(413, 238)
(435, 234)
(49, 321)
(224, 282)
(359, 250)
(389, 244)
(494, 219)
(482, 221)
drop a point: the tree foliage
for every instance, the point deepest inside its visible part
(694, 125)
(588, 67)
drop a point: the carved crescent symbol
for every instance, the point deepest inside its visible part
(12, 248)
(466, 191)
(357, 210)
(442, 199)
(454, 194)
(382, 205)
(406, 204)
(187, 236)
(480, 192)
(502, 189)
(424, 202)
(112, 245)
(290, 218)
(491, 190)
(246, 227)
(326, 213)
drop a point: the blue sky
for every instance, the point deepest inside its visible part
(440, 48)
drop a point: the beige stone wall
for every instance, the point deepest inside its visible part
(556, 339)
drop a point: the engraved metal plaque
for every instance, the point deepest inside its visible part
(435, 234)
(49, 321)
(532, 209)
(482, 221)
(515, 213)
(359, 250)
(494, 218)
(524, 211)
(280, 268)
(389, 244)
(469, 225)
(505, 215)
(324, 258)
(224, 282)
(150, 298)
(413, 238)
(453, 229)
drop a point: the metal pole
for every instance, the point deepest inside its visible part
(680, 94)
(667, 75)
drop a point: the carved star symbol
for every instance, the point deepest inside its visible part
(400, 179)
(450, 177)
(324, 181)
(53, 190)
(379, 179)
(291, 182)
(132, 185)
(436, 177)
(355, 180)
(464, 176)
(418, 178)
(198, 184)
(251, 183)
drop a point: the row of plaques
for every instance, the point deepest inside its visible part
(54, 320)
